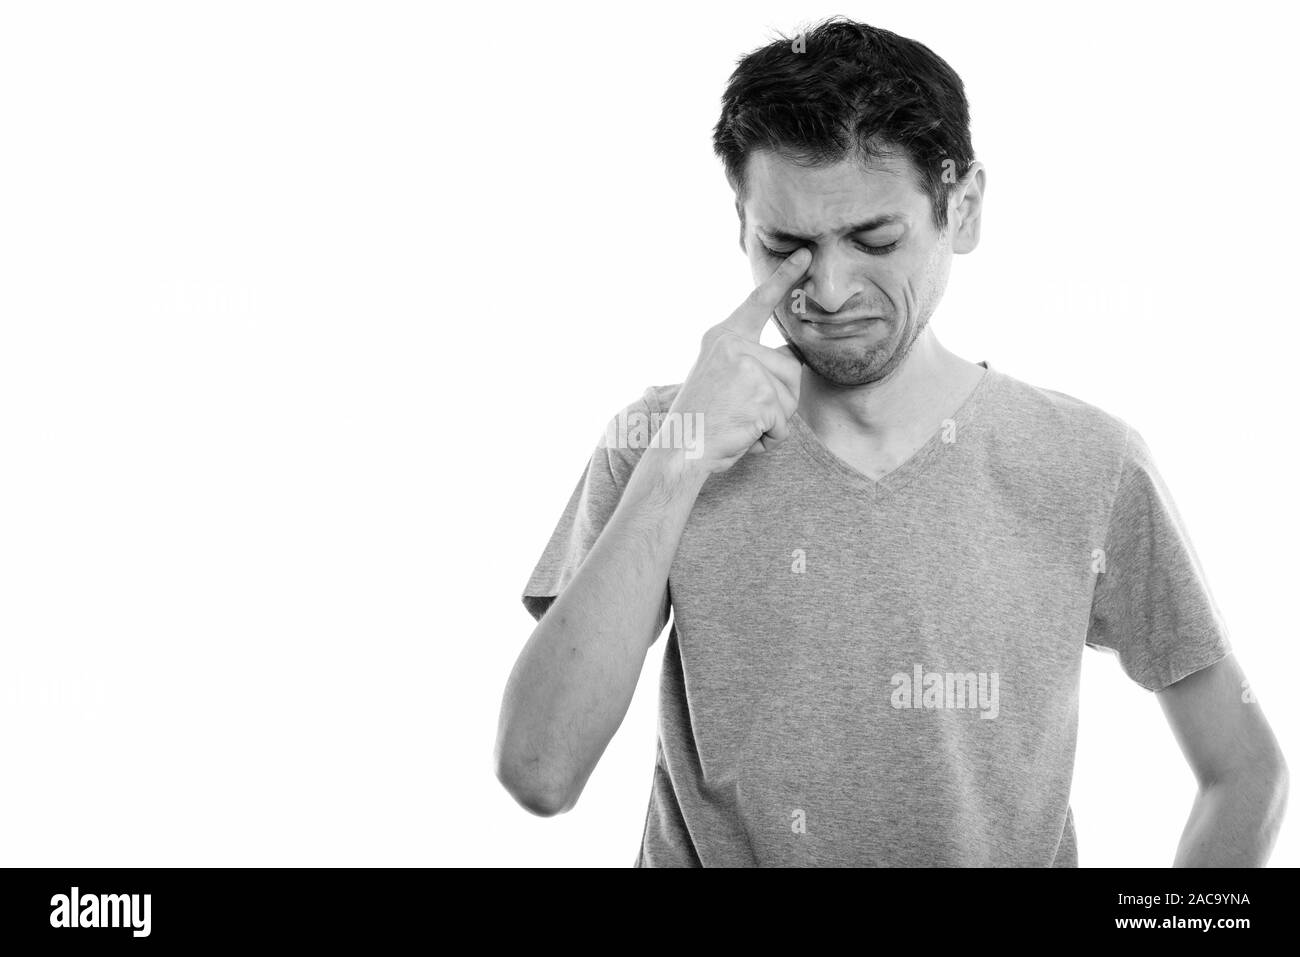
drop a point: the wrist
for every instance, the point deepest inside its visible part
(668, 474)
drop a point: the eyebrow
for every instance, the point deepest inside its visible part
(782, 236)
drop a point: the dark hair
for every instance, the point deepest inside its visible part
(815, 97)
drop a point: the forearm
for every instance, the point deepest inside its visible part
(575, 677)
(1235, 820)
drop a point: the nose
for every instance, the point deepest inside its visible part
(831, 280)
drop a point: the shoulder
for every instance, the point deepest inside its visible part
(1044, 422)
(628, 431)
(660, 397)
(1049, 447)
(654, 400)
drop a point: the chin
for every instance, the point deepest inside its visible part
(849, 367)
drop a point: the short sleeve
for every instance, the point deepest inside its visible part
(594, 498)
(1152, 605)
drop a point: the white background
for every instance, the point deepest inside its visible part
(310, 315)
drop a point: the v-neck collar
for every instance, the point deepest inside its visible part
(908, 469)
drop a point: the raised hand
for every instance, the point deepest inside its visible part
(746, 391)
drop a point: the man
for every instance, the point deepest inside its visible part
(883, 561)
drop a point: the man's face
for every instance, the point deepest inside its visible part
(879, 265)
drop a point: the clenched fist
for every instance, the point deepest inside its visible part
(746, 392)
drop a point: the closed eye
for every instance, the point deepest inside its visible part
(865, 247)
(879, 250)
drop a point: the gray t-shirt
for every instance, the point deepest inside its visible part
(886, 673)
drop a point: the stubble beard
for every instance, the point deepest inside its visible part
(849, 367)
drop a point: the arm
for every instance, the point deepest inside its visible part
(575, 678)
(1240, 772)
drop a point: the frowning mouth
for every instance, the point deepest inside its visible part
(841, 320)
(837, 328)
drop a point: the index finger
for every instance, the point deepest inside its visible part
(751, 316)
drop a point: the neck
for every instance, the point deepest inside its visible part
(926, 387)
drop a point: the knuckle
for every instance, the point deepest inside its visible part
(788, 363)
(733, 350)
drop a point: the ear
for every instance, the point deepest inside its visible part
(740, 212)
(966, 205)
